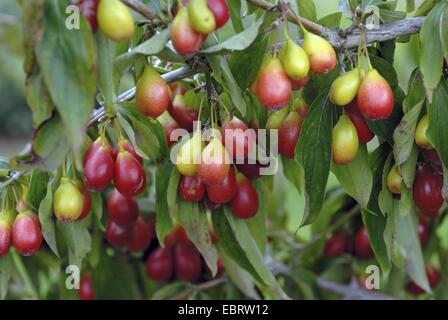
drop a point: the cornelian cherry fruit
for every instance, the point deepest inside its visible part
(129, 176)
(191, 188)
(98, 165)
(160, 264)
(121, 209)
(224, 191)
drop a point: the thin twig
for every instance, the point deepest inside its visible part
(201, 287)
(143, 9)
(351, 291)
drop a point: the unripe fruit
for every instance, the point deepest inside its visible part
(427, 191)
(86, 288)
(201, 18)
(152, 94)
(191, 188)
(185, 39)
(129, 176)
(26, 233)
(244, 204)
(189, 155)
(344, 89)
(141, 236)
(294, 60)
(224, 191)
(188, 264)
(124, 144)
(273, 85)
(220, 11)
(169, 125)
(299, 84)
(301, 107)
(289, 133)
(6, 221)
(363, 130)
(237, 138)
(363, 249)
(115, 20)
(121, 209)
(422, 231)
(433, 159)
(433, 278)
(394, 180)
(118, 236)
(160, 264)
(375, 97)
(336, 245)
(345, 142)
(320, 53)
(276, 118)
(98, 165)
(215, 162)
(67, 201)
(183, 114)
(88, 9)
(420, 133)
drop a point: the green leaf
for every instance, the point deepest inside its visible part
(67, 61)
(293, 172)
(415, 92)
(164, 225)
(407, 169)
(235, 16)
(385, 129)
(388, 16)
(169, 290)
(356, 177)
(238, 42)
(97, 208)
(77, 239)
(431, 58)
(444, 33)
(38, 98)
(307, 9)
(194, 220)
(173, 184)
(332, 21)
(6, 268)
(314, 154)
(37, 188)
(46, 216)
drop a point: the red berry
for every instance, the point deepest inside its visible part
(364, 132)
(210, 204)
(298, 84)
(6, 221)
(118, 236)
(129, 176)
(126, 145)
(160, 264)
(245, 202)
(336, 245)
(183, 114)
(433, 278)
(427, 191)
(188, 264)
(141, 236)
(224, 191)
(363, 249)
(288, 134)
(98, 165)
(182, 237)
(220, 10)
(88, 9)
(26, 233)
(191, 188)
(86, 288)
(86, 203)
(433, 160)
(237, 138)
(121, 209)
(250, 170)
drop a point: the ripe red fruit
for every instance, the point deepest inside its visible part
(121, 209)
(237, 138)
(191, 188)
(298, 84)
(160, 264)
(215, 162)
(26, 233)
(289, 133)
(363, 249)
(169, 125)
(182, 237)
(433, 278)
(86, 288)
(118, 236)
(224, 191)
(185, 39)
(364, 132)
(98, 165)
(141, 236)
(427, 191)
(183, 114)
(6, 221)
(245, 202)
(152, 94)
(220, 10)
(250, 170)
(88, 9)
(220, 267)
(129, 176)
(188, 264)
(86, 201)
(433, 159)
(422, 230)
(336, 245)
(210, 204)
(126, 145)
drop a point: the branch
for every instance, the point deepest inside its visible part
(201, 287)
(351, 291)
(141, 8)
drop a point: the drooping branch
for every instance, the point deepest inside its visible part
(200, 287)
(351, 291)
(141, 8)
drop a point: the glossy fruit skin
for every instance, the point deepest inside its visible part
(375, 97)
(215, 162)
(224, 191)
(321, 54)
(363, 249)
(115, 20)
(422, 231)
(141, 236)
(273, 85)
(427, 191)
(220, 11)
(237, 138)
(433, 159)
(67, 201)
(126, 145)
(118, 236)
(294, 60)
(189, 155)
(336, 245)
(420, 134)
(129, 176)
(344, 89)
(394, 180)
(244, 204)
(187, 262)
(169, 125)
(191, 188)
(250, 170)
(434, 278)
(26, 233)
(201, 17)
(345, 141)
(6, 221)
(88, 9)
(288, 134)
(98, 165)
(152, 94)
(299, 84)
(86, 288)
(160, 264)
(182, 237)
(185, 39)
(363, 130)
(183, 114)
(276, 118)
(122, 210)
